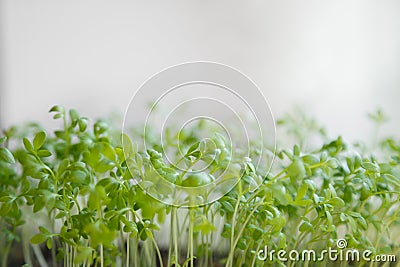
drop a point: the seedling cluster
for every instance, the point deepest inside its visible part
(68, 198)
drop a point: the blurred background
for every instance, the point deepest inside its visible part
(338, 60)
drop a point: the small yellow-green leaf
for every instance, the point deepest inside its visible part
(57, 109)
(38, 239)
(302, 191)
(39, 140)
(370, 166)
(83, 122)
(44, 153)
(73, 115)
(44, 230)
(337, 202)
(3, 139)
(6, 155)
(49, 243)
(27, 144)
(306, 226)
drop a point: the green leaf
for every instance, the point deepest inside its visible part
(83, 122)
(333, 163)
(362, 222)
(365, 191)
(332, 190)
(370, 166)
(392, 179)
(6, 155)
(278, 223)
(324, 156)
(100, 127)
(347, 194)
(130, 227)
(107, 150)
(38, 204)
(128, 148)
(39, 140)
(311, 184)
(310, 159)
(96, 197)
(83, 254)
(78, 176)
(100, 234)
(337, 202)
(241, 244)
(256, 231)
(141, 231)
(226, 231)
(44, 230)
(60, 215)
(74, 115)
(296, 169)
(60, 134)
(44, 153)
(296, 150)
(282, 241)
(227, 206)
(329, 217)
(58, 116)
(304, 202)
(49, 243)
(352, 223)
(28, 145)
(38, 239)
(5, 209)
(279, 193)
(353, 214)
(194, 147)
(2, 140)
(350, 164)
(205, 227)
(57, 109)
(301, 192)
(306, 227)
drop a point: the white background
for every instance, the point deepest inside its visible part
(337, 59)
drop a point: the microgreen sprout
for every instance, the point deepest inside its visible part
(72, 194)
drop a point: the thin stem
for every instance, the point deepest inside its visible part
(100, 214)
(53, 253)
(171, 237)
(157, 251)
(207, 244)
(175, 233)
(66, 258)
(231, 254)
(5, 255)
(39, 256)
(67, 136)
(101, 256)
(26, 249)
(191, 226)
(127, 249)
(255, 255)
(136, 252)
(71, 256)
(232, 240)
(206, 237)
